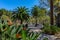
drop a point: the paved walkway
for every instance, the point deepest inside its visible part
(35, 29)
(41, 36)
(50, 37)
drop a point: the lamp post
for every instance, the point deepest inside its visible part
(51, 13)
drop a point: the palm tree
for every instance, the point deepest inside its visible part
(42, 13)
(22, 13)
(35, 12)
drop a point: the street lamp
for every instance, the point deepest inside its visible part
(51, 13)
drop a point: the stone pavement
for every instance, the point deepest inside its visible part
(41, 36)
(50, 37)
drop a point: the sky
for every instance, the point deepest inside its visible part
(12, 4)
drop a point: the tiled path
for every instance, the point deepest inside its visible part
(50, 37)
(41, 36)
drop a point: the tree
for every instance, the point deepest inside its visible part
(43, 15)
(5, 12)
(35, 12)
(22, 13)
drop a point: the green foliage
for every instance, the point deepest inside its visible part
(45, 39)
(50, 29)
(5, 12)
(22, 13)
(35, 11)
(12, 32)
(32, 36)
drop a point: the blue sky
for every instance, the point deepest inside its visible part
(11, 4)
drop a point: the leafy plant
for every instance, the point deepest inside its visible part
(50, 29)
(16, 33)
(45, 39)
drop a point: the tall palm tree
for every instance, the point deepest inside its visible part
(35, 12)
(22, 13)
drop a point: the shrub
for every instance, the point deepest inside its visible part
(50, 29)
(16, 33)
(45, 39)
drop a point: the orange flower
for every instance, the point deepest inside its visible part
(24, 28)
(18, 35)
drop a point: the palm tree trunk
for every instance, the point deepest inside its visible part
(51, 13)
(21, 22)
(36, 22)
